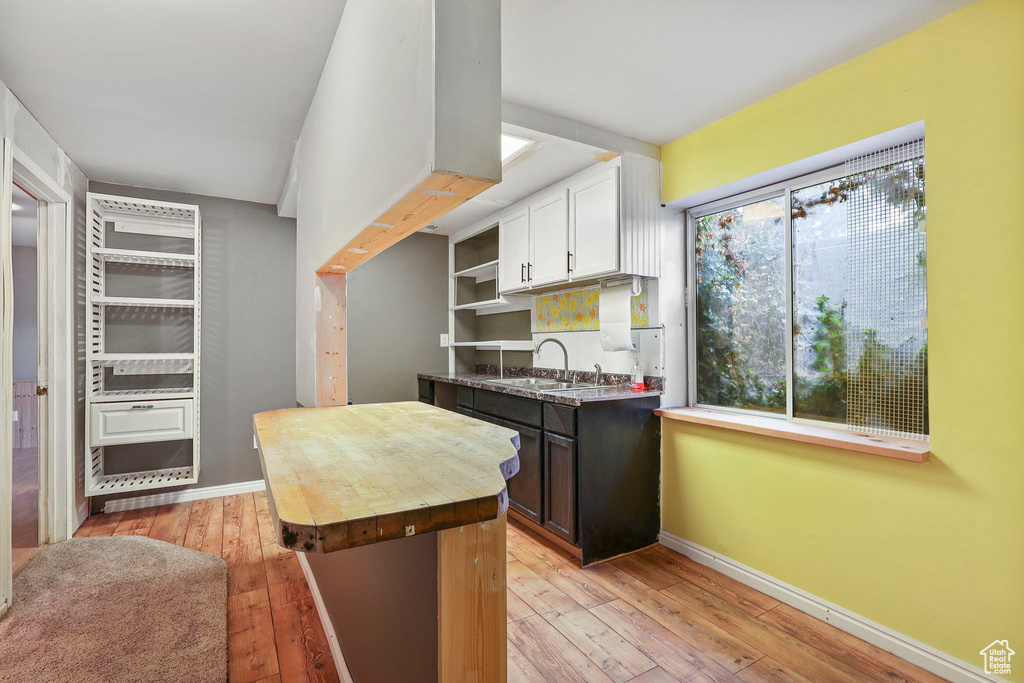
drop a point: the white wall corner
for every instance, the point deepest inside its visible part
(287, 203)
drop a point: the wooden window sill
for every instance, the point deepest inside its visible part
(872, 444)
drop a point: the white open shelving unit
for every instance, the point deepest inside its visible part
(473, 294)
(137, 398)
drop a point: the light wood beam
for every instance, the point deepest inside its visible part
(331, 341)
(471, 601)
(438, 194)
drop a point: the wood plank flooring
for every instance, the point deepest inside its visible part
(25, 505)
(651, 617)
(274, 633)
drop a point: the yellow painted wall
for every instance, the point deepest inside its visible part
(936, 550)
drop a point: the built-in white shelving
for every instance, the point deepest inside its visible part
(142, 302)
(149, 258)
(502, 344)
(136, 399)
(481, 271)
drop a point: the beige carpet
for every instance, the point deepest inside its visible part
(125, 609)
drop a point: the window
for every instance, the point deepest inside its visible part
(808, 298)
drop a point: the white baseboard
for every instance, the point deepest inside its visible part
(915, 652)
(185, 495)
(325, 619)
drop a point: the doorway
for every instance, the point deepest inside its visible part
(25, 427)
(53, 483)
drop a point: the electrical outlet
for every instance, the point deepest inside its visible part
(444, 341)
(14, 416)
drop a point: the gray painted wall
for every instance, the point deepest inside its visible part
(397, 309)
(248, 325)
(26, 344)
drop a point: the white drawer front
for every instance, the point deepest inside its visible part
(141, 421)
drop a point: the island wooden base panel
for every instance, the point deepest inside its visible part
(650, 617)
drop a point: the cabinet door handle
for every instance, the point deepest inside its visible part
(529, 272)
(522, 272)
(142, 407)
(568, 261)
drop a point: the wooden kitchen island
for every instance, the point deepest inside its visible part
(398, 513)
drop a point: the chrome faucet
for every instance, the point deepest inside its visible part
(542, 342)
(597, 377)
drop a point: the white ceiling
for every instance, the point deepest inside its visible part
(209, 96)
(23, 232)
(659, 69)
(204, 96)
(549, 160)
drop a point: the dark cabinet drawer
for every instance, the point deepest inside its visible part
(559, 455)
(426, 389)
(464, 396)
(515, 408)
(560, 419)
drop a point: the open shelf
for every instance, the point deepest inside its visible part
(479, 304)
(503, 344)
(150, 479)
(146, 363)
(141, 357)
(491, 267)
(150, 258)
(143, 302)
(476, 251)
(491, 306)
(150, 394)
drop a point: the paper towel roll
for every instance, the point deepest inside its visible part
(616, 318)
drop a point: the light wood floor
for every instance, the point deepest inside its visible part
(25, 505)
(650, 617)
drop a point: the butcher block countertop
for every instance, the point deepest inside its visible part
(349, 476)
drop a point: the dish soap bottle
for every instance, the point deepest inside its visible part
(636, 382)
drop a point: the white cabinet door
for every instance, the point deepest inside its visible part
(594, 212)
(513, 251)
(549, 226)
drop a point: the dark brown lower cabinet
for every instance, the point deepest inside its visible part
(525, 489)
(560, 486)
(588, 474)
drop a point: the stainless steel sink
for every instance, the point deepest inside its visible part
(541, 384)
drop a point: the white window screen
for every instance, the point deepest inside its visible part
(886, 311)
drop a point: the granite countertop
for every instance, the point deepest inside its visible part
(574, 397)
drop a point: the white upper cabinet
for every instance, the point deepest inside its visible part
(602, 222)
(549, 230)
(594, 225)
(513, 250)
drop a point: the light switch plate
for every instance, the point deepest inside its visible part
(14, 416)
(444, 341)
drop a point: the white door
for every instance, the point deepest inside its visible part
(594, 211)
(513, 251)
(6, 372)
(549, 226)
